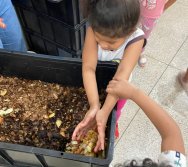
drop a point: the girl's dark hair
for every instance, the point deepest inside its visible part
(147, 162)
(112, 18)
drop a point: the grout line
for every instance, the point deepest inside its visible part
(156, 59)
(168, 65)
(158, 80)
(179, 49)
(175, 67)
(147, 55)
(126, 127)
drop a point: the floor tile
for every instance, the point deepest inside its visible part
(169, 34)
(127, 116)
(169, 93)
(146, 78)
(180, 61)
(139, 141)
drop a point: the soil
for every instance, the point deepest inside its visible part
(40, 114)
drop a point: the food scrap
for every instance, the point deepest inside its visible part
(85, 146)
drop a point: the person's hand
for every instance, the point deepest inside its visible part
(101, 119)
(121, 88)
(89, 122)
(2, 25)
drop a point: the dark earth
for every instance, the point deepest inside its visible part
(40, 114)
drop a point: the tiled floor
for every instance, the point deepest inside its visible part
(167, 53)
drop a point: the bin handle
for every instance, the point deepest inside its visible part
(55, 1)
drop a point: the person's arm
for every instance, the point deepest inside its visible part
(124, 70)
(89, 63)
(167, 127)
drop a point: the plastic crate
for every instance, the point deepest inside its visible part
(42, 45)
(66, 71)
(67, 11)
(47, 35)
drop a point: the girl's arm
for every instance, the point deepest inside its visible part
(124, 70)
(168, 129)
(89, 63)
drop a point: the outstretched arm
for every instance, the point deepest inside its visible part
(124, 70)
(89, 63)
(167, 127)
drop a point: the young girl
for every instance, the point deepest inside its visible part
(172, 146)
(151, 10)
(111, 36)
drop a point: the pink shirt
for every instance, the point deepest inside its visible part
(152, 8)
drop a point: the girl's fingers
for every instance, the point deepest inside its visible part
(113, 81)
(97, 147)
(110, 85)
(81, 135)
(101, 139)
(77, 132)
(110, 89)
(2, 25)
(81, 129)
(85, 121)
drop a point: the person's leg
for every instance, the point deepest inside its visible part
(12, 37)
(120, 105)
(147, 25)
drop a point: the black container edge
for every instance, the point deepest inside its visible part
(54, 153)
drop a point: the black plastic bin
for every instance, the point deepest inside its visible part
(52, 34)
(68, 11)
(66, 71)
(52, 27)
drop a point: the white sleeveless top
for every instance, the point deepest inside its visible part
(107, 55)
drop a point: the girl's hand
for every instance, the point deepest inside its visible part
(121, 88)
(89, 122)
(2, 25)
(101, 119)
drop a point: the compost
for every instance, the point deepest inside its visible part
(40, 114)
